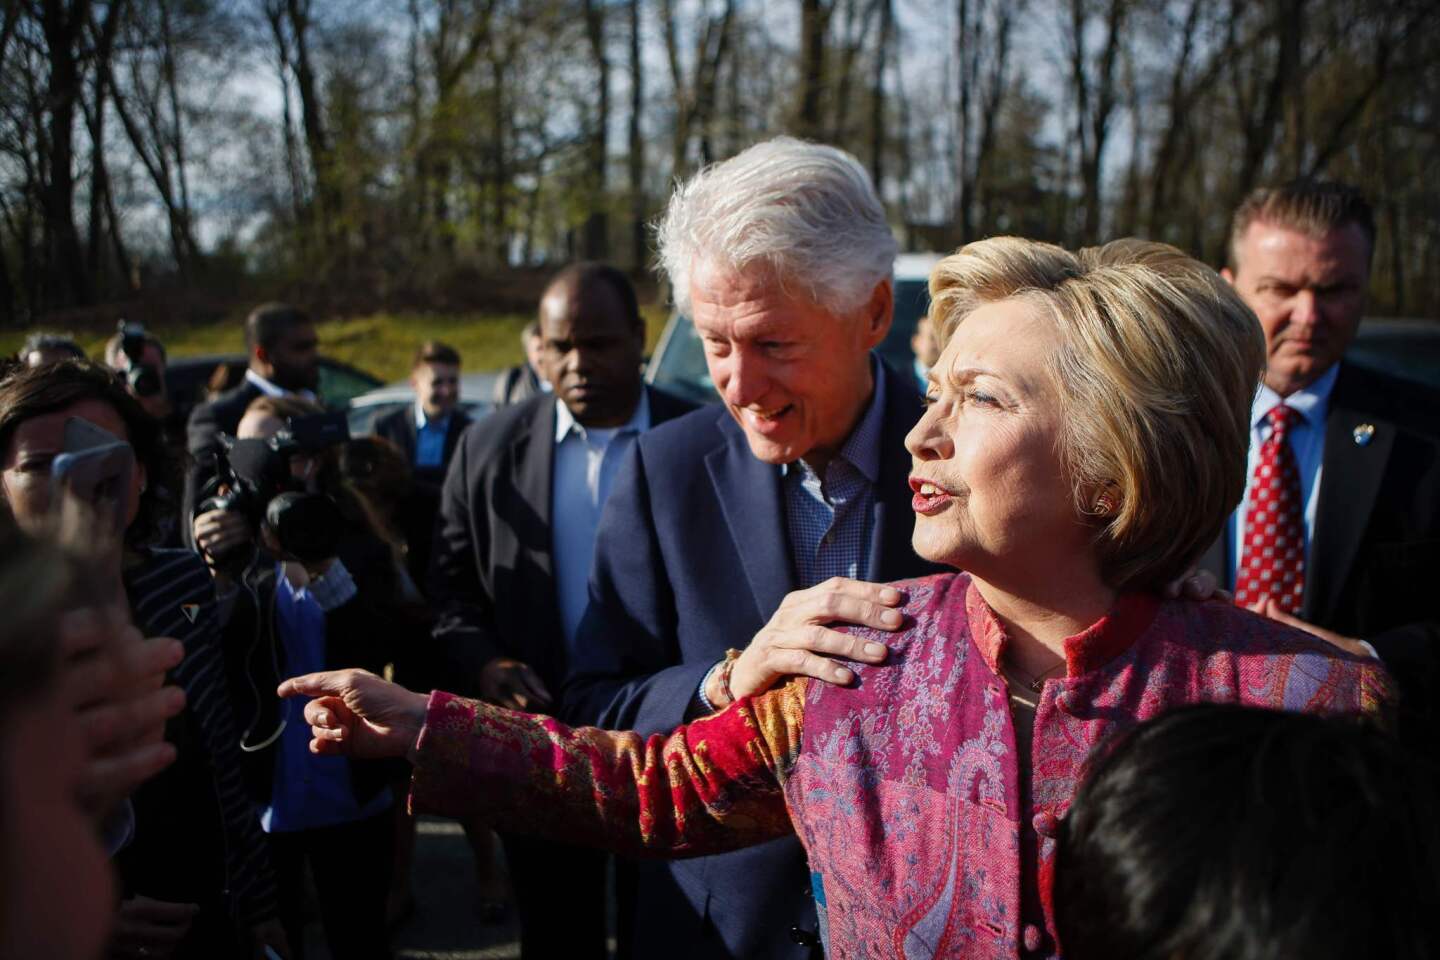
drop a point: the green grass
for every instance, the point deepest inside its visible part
(380, 343)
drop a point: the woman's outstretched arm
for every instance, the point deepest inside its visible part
(710, 786)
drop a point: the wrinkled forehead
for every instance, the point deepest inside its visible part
(47, 431)
(998, 318)
(1014, 339)
(1300, 256)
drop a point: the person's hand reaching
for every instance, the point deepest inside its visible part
(358, 714)
(114, 679)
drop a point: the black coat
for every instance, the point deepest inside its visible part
(398, 427)
(202, 442)
(1375, 547)
(417, 511)
(491, 575)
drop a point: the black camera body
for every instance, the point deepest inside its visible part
(142, 378)
(257, 484)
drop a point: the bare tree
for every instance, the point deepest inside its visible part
(636, 158)
(597, 223)
(695, 94)
(1093, 84)
(982, 53)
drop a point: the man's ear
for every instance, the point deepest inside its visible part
(1229, 277)
(879, 312)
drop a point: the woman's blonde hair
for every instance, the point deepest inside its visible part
(1156, 373)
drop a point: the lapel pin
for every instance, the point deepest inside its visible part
(191, 611)
(1364, 434)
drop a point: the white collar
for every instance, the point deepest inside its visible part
(1312, 403)
(272, 390)
(639, 421)
(421, 420)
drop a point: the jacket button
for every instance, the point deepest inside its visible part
(805, 938)
(1033, 938)
(1045, 824)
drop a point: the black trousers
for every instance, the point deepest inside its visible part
(351, 864)
(560, 895)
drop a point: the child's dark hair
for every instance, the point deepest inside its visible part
(1228, 833)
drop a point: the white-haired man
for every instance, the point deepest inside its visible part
(783, 257)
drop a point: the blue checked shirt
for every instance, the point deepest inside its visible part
(828, 518)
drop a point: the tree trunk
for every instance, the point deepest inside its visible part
(312, 118)
(182, 219)
(597, 224)
(877, 97)
(638, 249)
(813, 23)
(66, 279)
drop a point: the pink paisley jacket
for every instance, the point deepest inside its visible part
(904, 788)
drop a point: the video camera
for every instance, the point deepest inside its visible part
(253, 479)
(142, 378)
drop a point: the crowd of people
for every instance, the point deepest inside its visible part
(1102, 632)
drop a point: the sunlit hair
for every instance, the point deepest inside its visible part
(806, 212)
(1158, 364)
(1312, 207)
(433, 351)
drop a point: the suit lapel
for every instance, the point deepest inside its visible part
(665, 407)
(532, 465)
(1349, 482)
(409, 433)
(748, 492)
(892, 556)
(458, 423)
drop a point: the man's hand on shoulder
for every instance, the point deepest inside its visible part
(512, 684)
(1267, 607)
(799, 641)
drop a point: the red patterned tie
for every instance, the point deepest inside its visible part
(1272, 559)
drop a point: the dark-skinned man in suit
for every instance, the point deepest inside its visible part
(1356, 474)
(511, 561)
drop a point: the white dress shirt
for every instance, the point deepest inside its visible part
(274, 390)
(586, 460)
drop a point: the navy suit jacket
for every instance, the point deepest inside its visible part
(398, 426)
(492, 575)
(692, 558)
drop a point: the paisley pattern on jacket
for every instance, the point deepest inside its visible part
(905, 788)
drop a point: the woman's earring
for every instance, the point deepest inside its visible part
(1104, 505)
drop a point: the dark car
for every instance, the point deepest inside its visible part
(1403, 348)
(1409, 349)
(187, 379)
(476, 392)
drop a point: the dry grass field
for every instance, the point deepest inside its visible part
(381, 343)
